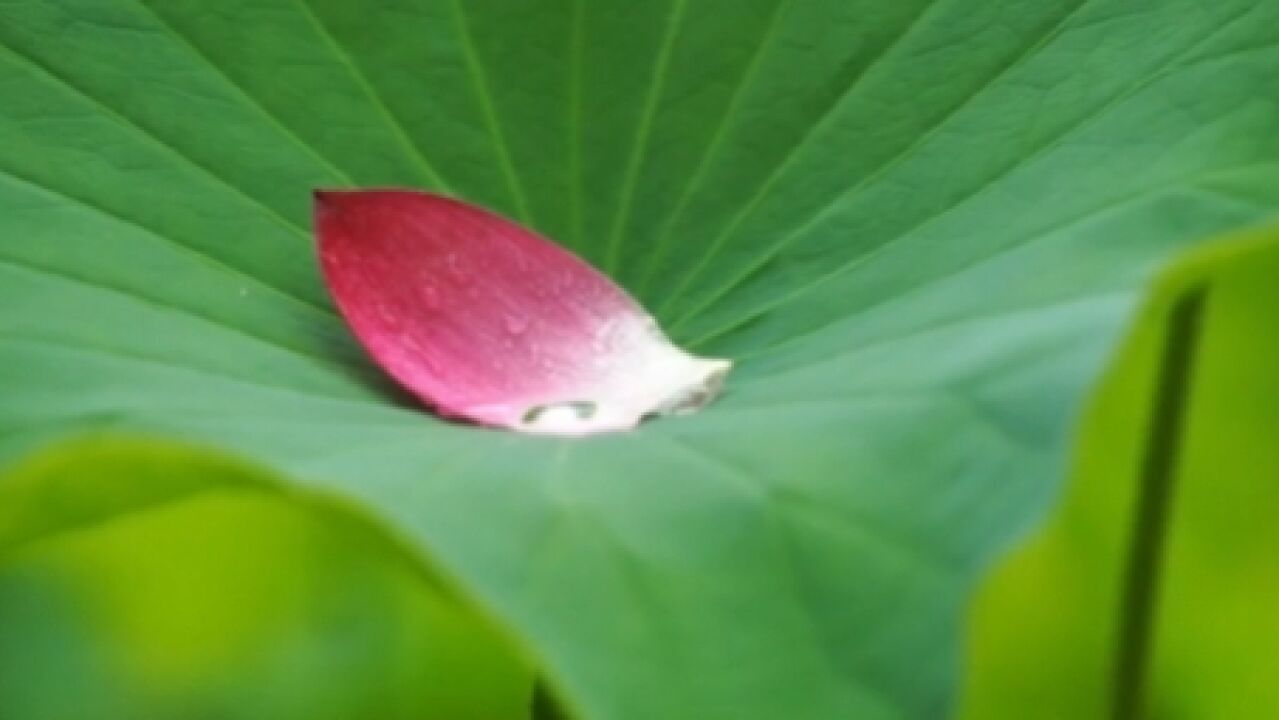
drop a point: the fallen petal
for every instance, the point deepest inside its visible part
(487, 321)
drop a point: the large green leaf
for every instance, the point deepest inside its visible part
(918, 225)
(1155, 585)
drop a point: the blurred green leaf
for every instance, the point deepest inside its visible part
(1153, 591)
(919, 226)
(140, 581)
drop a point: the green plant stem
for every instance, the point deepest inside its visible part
(1154, 503)
(545, 706)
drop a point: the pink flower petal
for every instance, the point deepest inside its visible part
(487, 321)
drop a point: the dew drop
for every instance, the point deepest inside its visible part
(521, 261)
(516, 324)
(607, 337)
(454, 264)
(431, 297)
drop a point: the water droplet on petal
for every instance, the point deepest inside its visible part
(453, 262)
(431, 297)
(516, 324)
(521, 261)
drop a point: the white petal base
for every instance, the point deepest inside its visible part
(631, 372)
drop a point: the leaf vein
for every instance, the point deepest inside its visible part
(827, 115)
(642, 134)
(375, 99)
(64, 276)
(200, 255)
(235, 87)
(661, 245)
(487, 108)
(1043, 150)
(50, 76)
(879, 171)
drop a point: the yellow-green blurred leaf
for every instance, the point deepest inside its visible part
(143, 581)
(1153, 592)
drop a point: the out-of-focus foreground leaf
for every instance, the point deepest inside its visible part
(1155, 588)
(144, 582)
